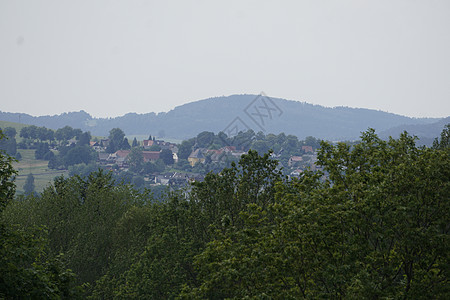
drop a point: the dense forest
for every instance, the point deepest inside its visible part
(372, 223)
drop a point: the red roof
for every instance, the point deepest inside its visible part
(122, 153)
(296, 158)
(150, 155)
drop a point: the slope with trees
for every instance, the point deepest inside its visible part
(372, 224)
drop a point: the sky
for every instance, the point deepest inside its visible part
(111, 57)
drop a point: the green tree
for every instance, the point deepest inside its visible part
(10, 132)
(26, 270)
(84, 139)
(116, 136)
(376, 227)
(28, 187)
(444, 141)
(159, 166)
(167, 156)
(135, 143)
(135, 160)
(64, 134)
(185, 149)
(205, 139)
(125, 144)
(7, 177)
(78, 155)
(9, 144)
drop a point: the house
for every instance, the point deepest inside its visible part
(196, 177)
(148, 143)
(163, 179)
(307, 149)
(195, 157)
(150, 156)
(103, 157)
(228, 148)
(294, 159)
(121, 153)
(178, 179)
(119, 157)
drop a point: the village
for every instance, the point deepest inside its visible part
(182, 170)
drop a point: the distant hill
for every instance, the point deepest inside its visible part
(270, 115)
(425, 132)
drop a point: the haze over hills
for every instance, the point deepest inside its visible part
(241, 112)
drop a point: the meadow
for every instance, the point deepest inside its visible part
(43, 176)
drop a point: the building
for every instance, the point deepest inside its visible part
(196, 157)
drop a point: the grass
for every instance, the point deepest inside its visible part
(43, 176)
(17, 126)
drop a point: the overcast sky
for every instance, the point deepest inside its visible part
(113, 57)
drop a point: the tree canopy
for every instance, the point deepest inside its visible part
(373, 222)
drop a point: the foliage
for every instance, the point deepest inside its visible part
(117, 140)
(135, 160)
(40, 133)
(7, 176)
(26, 270)
(444, 141)
(26, 273)
(28, 187)
(166, 156)
(42, 151)
(135, 143)
(77, 155)
(376, 228)
(373, 224)
(185, 149)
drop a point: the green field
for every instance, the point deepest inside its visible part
(17, 126)
(42, 174)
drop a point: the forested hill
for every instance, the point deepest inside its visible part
(271, 115)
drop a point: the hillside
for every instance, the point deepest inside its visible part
(271, 115)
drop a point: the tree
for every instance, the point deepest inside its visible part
(10, 132)
(111, 148)
(376, 227)
(7, 177)
(41, 150)
(135, 143)
(64, 134)
(205, 139)
(444, 141)
(84, 139)
(26, 271)
(159, 166)
(116, 135)
(125, 144)
(185, 149)
(8, 143)
(149, 168)
(312, 141)
(28, 187)
(167, 157)
(29, 132)
(78, 155)
(135, 160)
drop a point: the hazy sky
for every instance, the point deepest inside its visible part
(113, 57)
